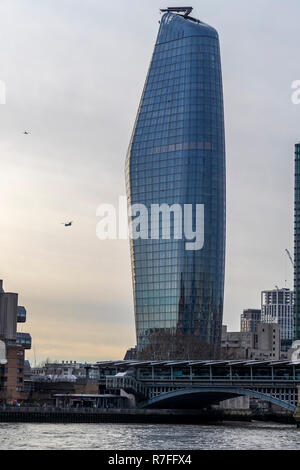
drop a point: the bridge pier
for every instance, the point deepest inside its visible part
(297, 412)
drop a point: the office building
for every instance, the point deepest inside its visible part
(263, 344)
(249, 320)
(177, 156)
(267, 342)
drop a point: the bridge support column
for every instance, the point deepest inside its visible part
(297, 412)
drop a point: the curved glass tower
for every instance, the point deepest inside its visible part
(177, 156)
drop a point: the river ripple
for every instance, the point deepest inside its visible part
(227, 436)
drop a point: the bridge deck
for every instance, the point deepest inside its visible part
(274, 381)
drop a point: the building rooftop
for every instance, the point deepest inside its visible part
(137, 364)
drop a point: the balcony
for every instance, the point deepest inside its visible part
(24, 339)
(21, 315)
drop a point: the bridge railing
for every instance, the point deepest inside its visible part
(221, 379)
(126, 383)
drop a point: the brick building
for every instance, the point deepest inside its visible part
(12, 348)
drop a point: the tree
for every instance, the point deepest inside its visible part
(167, 345)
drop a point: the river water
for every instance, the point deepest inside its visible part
(227, 436)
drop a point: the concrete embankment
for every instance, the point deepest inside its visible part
(36, 415)
(134, 416)
(248, 415)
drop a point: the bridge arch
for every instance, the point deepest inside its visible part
(190, 398)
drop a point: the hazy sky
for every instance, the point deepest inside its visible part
(74, 72)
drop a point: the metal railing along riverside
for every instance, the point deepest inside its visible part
(42, 410)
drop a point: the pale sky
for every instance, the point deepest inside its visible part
(74, 72)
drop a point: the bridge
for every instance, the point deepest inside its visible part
(199, 384)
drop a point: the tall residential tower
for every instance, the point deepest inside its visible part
(277, 306)
(297, 245)
(177, 156)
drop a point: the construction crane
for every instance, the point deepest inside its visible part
(290, 257)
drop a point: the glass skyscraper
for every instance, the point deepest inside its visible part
(297, 244)
(177, 156)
